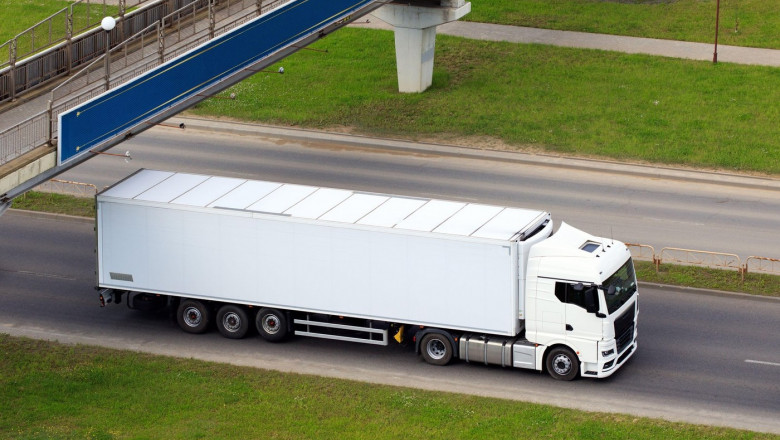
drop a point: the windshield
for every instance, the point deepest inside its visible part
(620, 287)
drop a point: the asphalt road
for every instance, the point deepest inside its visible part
(701, 358)
(634, 208)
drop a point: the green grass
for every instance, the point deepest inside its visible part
(754, 23)
(55, 203)
(18, 15)
(559, 100)
(48, 390)
(706, 278)
(562, 100)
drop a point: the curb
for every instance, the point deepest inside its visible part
(50, 216)
(548, 160)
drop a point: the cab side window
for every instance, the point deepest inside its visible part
(567, 294)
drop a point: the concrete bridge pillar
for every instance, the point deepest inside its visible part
(415, 37)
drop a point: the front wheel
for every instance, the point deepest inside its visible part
(193, 316)
(562, 364)
(271, 324)
(436, 349)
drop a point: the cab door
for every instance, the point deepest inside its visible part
(583, 327)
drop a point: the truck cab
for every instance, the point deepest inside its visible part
(581, 304)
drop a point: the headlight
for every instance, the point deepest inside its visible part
(608, 352)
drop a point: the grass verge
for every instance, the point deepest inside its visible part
(562, 100)
(51, 390)
(55, 203)
(672, 274)
(754, 23)
(706, 278)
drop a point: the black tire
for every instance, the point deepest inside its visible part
(193, 316)
(436, 349)
(271, 324)
(562, 364)
(232, 321)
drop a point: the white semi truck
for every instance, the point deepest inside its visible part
(485, 284)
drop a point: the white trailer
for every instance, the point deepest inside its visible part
(478, 282)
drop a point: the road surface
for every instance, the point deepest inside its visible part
(635, 208)
(702, 359)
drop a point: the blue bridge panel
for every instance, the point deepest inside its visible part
(115, 112)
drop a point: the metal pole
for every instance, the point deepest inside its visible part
(12, 71)
(212, 21)
(108, 24)
(107, 60)
(717, 23)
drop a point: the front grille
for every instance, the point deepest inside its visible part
(624, 329)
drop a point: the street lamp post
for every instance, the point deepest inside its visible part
(108, 24)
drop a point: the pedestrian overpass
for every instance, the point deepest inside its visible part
(85, 94)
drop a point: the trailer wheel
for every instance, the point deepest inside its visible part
(562, 364)
(271, 324)
(193, 316)
(436, 349)
(232, 321)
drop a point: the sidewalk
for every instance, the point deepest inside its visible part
(583, 40)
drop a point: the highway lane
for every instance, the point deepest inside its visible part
(636, 209)
(691, 364)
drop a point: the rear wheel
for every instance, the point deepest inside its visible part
(436, 349)
(193, 316)
(562, 364)
(271, 324)
(232, 321)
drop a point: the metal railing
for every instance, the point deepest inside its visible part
(25, 137)
(700, 258)
(644, 252)
(761, 264)
(716, 260)
(158, 42)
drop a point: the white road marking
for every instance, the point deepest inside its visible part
(774, 364)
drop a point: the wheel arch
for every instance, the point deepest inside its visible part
(452, 338)
(550, 348)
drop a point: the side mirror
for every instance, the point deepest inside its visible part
(591, 300)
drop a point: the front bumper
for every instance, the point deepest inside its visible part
(607, 366)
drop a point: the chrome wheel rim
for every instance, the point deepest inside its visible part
(436, 349)
(562, 364)
(231, 322)
(192, 316)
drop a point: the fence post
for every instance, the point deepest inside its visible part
(69, 38)
(259, 7)
(212, 19)
(50, 116)
(12, 71)
(161, 42)
(122, 20)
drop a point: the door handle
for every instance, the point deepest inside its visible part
(569, 328)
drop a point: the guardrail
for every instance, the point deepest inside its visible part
(716, 260)
(762, 264)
